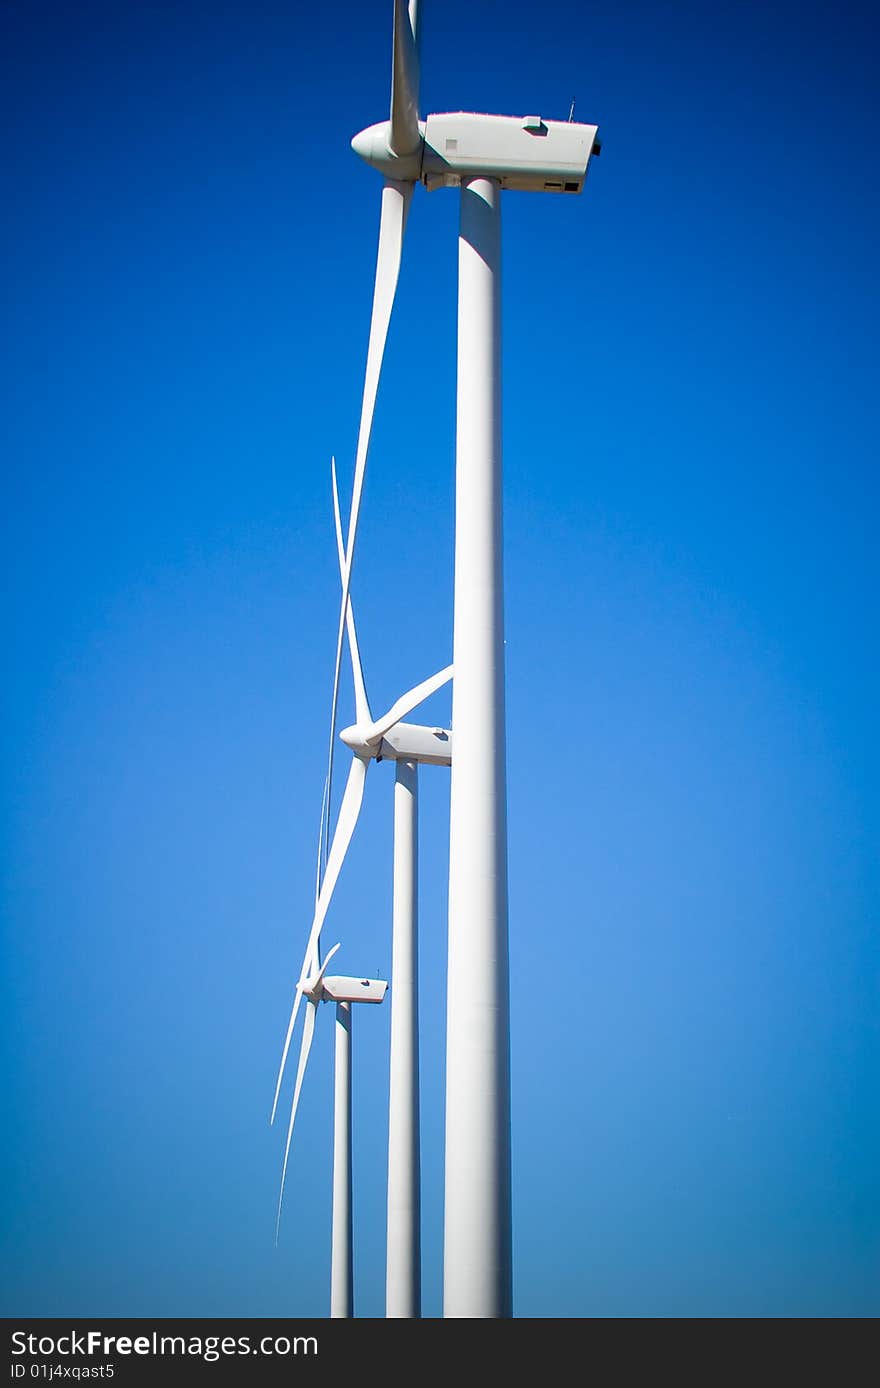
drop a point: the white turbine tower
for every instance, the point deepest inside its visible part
(343, 991)
(369, 739)
(481, 155)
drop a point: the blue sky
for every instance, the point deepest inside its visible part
(691, 586)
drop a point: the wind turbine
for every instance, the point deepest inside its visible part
(408, 744)
(343, 991)
(481, 155)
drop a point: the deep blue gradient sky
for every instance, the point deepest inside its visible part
(690, 419)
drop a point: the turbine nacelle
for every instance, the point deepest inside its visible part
(339, 989)
(522, 152)
(402, 742)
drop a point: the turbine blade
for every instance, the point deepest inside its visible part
(320, 861)
(308, 1033)
(314, 982)
(404, 137)
(407, 702)
(361, 703)
(348, 816)
(395, 204)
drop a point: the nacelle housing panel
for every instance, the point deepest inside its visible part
(524, 152)
(339, 989)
